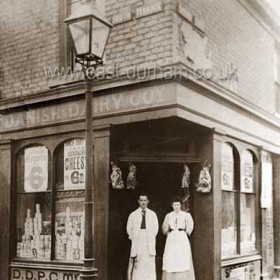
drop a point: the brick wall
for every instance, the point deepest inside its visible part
(144, 40)
(235, 37)
(30, 41)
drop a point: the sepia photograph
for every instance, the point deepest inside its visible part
(139, 139)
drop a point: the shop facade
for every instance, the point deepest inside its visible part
(164, 119)
(159, 129)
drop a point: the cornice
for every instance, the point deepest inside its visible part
(202, 86)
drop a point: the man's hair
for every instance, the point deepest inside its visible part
(143, 194)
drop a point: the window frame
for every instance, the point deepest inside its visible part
(237, 157)
(277, 76)
(52, 144)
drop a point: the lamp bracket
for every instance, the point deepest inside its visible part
(89, 61)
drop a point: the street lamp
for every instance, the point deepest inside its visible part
(89, 31)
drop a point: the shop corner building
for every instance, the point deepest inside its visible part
(187, 82)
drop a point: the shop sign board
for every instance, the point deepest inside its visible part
(238, 274)
(266, 193)
(149, 9)
(247, 172)
(103, 105)
(35, 169)
(74, 164)
(31, 274)
(122, 17)
(227, 167)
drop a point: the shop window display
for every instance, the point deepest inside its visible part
(70, 185)
(229, 217)
(39, 204)
(247, 204)
(238, 203)
(34, 210)
(229, 224)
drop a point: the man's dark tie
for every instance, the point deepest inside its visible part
(143, 223)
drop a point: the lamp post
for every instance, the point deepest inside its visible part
(89, 31)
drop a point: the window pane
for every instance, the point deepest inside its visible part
(70, 196)
(80, 34)
(34, 226)
(248, 223)
(33, 167)
(229, 224)
(69, 226)
(100, 33)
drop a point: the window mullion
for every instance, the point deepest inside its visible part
(52, 178)
(238, 203)
(238, 195)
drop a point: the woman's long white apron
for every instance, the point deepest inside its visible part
(177, 254)
(177, 257)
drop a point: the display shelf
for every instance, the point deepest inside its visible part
(69, 235)
(35, 243)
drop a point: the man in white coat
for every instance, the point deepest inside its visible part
(142, 229)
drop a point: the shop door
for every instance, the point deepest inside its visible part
(161, 181)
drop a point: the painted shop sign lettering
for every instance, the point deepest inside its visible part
(29, 274)
(121, 17)
(245, 271)
(102, 106)
(74, 164)
(149, 9)
(36, 169)
(239, 274)
(43, 116)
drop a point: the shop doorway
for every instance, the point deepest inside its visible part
(161, 181)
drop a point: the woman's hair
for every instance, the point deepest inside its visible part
(176, 199)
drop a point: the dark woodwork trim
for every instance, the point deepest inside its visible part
(54, 266)
(64, 46)
(241, 260)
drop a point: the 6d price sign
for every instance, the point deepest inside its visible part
(36, 169)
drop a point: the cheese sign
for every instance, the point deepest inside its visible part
(31, 274)
(35, 169)
(74, 164)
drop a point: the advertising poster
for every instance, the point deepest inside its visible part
(227, 167)
(74, 164)
(266, 194)
(36, 169)
(247, 172)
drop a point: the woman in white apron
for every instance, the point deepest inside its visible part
(177, 257)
